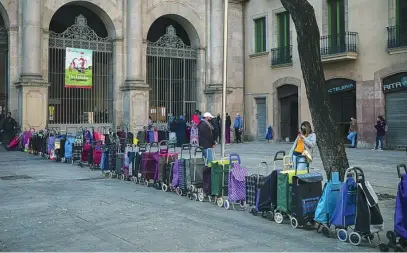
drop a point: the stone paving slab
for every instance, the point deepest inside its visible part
(56, 210)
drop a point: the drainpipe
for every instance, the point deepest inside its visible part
(244, 66)
(208, 46)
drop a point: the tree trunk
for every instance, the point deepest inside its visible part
(330, 143)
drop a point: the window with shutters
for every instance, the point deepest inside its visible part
(260, 35)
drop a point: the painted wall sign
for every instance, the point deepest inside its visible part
(395, 82)
(340, 85)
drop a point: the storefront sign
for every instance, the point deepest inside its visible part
(395, 82)
(340, 85)
(78, 68)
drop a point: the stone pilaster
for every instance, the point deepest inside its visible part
(32, 88)
(216, 42)
(135, 91)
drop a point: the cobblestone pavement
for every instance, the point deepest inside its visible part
(61, 207)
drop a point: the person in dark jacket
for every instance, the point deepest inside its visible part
(381, 132)
(205, 132)
(181, 131)
(9, 125)
(227, 130)
(215, 128)
(219, 126)
(2, 118)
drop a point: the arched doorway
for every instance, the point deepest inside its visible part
(4, 81)
(288, 99)
(171, 70)
(80, 69)
(342, 93)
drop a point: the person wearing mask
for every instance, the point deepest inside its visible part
(303, 146)
(227, 130)
(219, 126)
(353, 131)
(181, 130)
(381, 128)
(9, 125)
(238, 126)
(205, 130)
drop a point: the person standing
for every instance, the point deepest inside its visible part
(353, 131)
(238, 126)
(219, 126)
(269, 134)
(2, 118)
(9, 125)
(205, 130)
(181, 130)
(215, 129)
(381, 132)
(196, 118)
(303, 146)
(227, 130)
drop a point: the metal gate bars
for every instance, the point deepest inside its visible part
(172, 76)
(90, 106)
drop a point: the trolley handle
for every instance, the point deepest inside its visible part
(262, 165)
(171, 145)
(297, 159)
(357, 171)
(277, 157)
(186, 147)
(399, 167)
(198, 150)
(234, 157)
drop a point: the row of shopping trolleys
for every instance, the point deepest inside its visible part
(348, 209)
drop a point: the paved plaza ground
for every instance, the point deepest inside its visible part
(61, 207)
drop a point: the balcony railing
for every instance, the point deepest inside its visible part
(396, 36)
(339, 43)
(281, 56)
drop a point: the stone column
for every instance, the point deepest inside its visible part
(33, 99)
(135, 90)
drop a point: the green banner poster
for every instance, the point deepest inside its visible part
(78, 68)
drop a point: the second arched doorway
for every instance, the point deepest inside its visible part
(171, 70)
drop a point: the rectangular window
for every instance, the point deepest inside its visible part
(401, 12)
(336, 26)
(283, 29)
(260, 37)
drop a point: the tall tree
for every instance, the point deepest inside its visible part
(330, 144)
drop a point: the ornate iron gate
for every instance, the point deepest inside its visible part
(78, 106)
(4, 83)
(172, 76)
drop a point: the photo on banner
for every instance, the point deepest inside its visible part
(78, 68)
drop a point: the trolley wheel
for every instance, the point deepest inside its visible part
(403, 242)
(80, 165)
(325, 231)
(110, 175)
(226, 204)
(192, 188)
(164, 187)
(189, 195)
(254, 211)
(219, 201)
(62, 159)
(243, 205)
(355, 238)
(270, 215)
(391, 236)
(178, 191)
(342, 235)
(201, 197)
(294, 222)
(383, 247)
(72, 162)
(122, 177)
(195, 196)
(146, 183)
(278, 217)
(209, 198)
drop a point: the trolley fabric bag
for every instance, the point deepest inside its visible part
(237, 183)
(284, 188)
(329, 198)
(252, 188)
(219, 177)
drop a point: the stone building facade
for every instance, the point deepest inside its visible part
(187, 39)
(363, 49)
